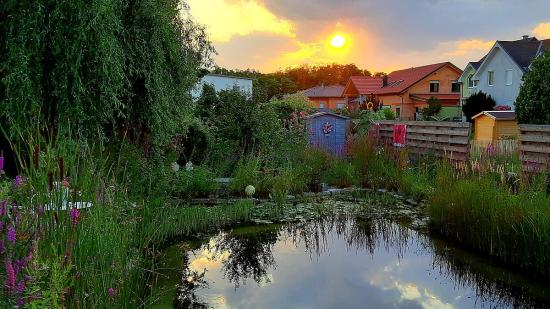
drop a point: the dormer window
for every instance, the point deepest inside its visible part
(434, 86)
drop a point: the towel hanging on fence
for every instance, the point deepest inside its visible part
(399, 135)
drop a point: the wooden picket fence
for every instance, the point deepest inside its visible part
(449, 140)
(534, 147)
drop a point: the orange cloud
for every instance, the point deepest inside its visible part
(467, 47)
(542, 30)
(225, 19)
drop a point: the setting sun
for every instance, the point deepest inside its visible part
(338, 41)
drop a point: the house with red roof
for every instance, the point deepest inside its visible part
(407, 91)
(326, 97)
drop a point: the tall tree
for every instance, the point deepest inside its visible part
(533, 102)
(88, 68)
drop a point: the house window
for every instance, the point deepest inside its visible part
(340, 105)
(398, 112)
(472, 83)
(491, 78)
(455, 86)
(322, 104)
(509, 77)
(434, 86)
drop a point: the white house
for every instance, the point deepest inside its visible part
(501, 71)
(224, 82)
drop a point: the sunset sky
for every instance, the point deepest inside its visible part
(379, 35)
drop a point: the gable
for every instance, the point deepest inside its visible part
(497, 58)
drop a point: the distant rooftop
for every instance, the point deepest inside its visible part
(333, 91)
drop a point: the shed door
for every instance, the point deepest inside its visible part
(329, 134)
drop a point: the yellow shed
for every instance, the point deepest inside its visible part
(491, 126)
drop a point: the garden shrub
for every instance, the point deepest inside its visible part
(477, 103)
(341, 174)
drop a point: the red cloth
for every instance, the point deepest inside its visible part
(399, 135)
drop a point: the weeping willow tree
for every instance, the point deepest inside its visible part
(98, 68)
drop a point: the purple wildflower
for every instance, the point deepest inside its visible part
(10, 271)
(11, 234)
(19, 180)
(3, 208)
(1, 226)
(112, 293)
(20, 287)
(74, 213)
(491, 150)
(1, 164)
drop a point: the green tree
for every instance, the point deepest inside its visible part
(477, 103)
(433, 109)
(533, 101)
(93, 68)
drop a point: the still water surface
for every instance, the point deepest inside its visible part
(336, 263)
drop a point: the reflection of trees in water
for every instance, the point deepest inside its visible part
(250, 255)
(358, 233)
(492, 284)
(185, 290)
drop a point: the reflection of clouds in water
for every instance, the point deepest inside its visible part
(408, 291)
(208, 259)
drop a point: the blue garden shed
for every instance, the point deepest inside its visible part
(328, 131)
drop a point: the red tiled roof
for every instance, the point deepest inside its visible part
(334, 91)
(366, 84)
(401, 80)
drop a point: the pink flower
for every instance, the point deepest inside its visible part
(112, 293)
(74, 213)
(10, 271)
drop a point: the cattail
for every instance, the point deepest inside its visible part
(35, 157)
(50, 181)
(61, 163)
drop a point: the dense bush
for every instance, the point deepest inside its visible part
(433, 109)
(477, 103)
(532, 102)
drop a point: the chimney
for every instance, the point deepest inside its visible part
(384, 80)
(525, 37)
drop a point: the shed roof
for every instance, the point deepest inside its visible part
(333, 91)
(318, 114)
(498, 115)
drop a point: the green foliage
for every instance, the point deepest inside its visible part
(293, 103)
(341, 174)
(97, 68)
(198, 182)
(477, 103)
(388, 114)
(532, 102)
(433, 108)
(482, 215)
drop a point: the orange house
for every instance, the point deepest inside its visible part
(359, 88)
(326, 97)
(407, 91)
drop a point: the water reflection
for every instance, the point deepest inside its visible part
(346, 263)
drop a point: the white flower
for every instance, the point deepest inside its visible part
(189, 166)
(249, 190)
(175, 167)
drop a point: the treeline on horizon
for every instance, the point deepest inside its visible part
(294, 79)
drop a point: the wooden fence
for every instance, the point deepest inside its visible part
(442, 139)
(534, 147)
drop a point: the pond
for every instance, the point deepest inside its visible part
(336, 262)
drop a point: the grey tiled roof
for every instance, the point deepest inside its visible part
(334, 91)
(522, 51)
